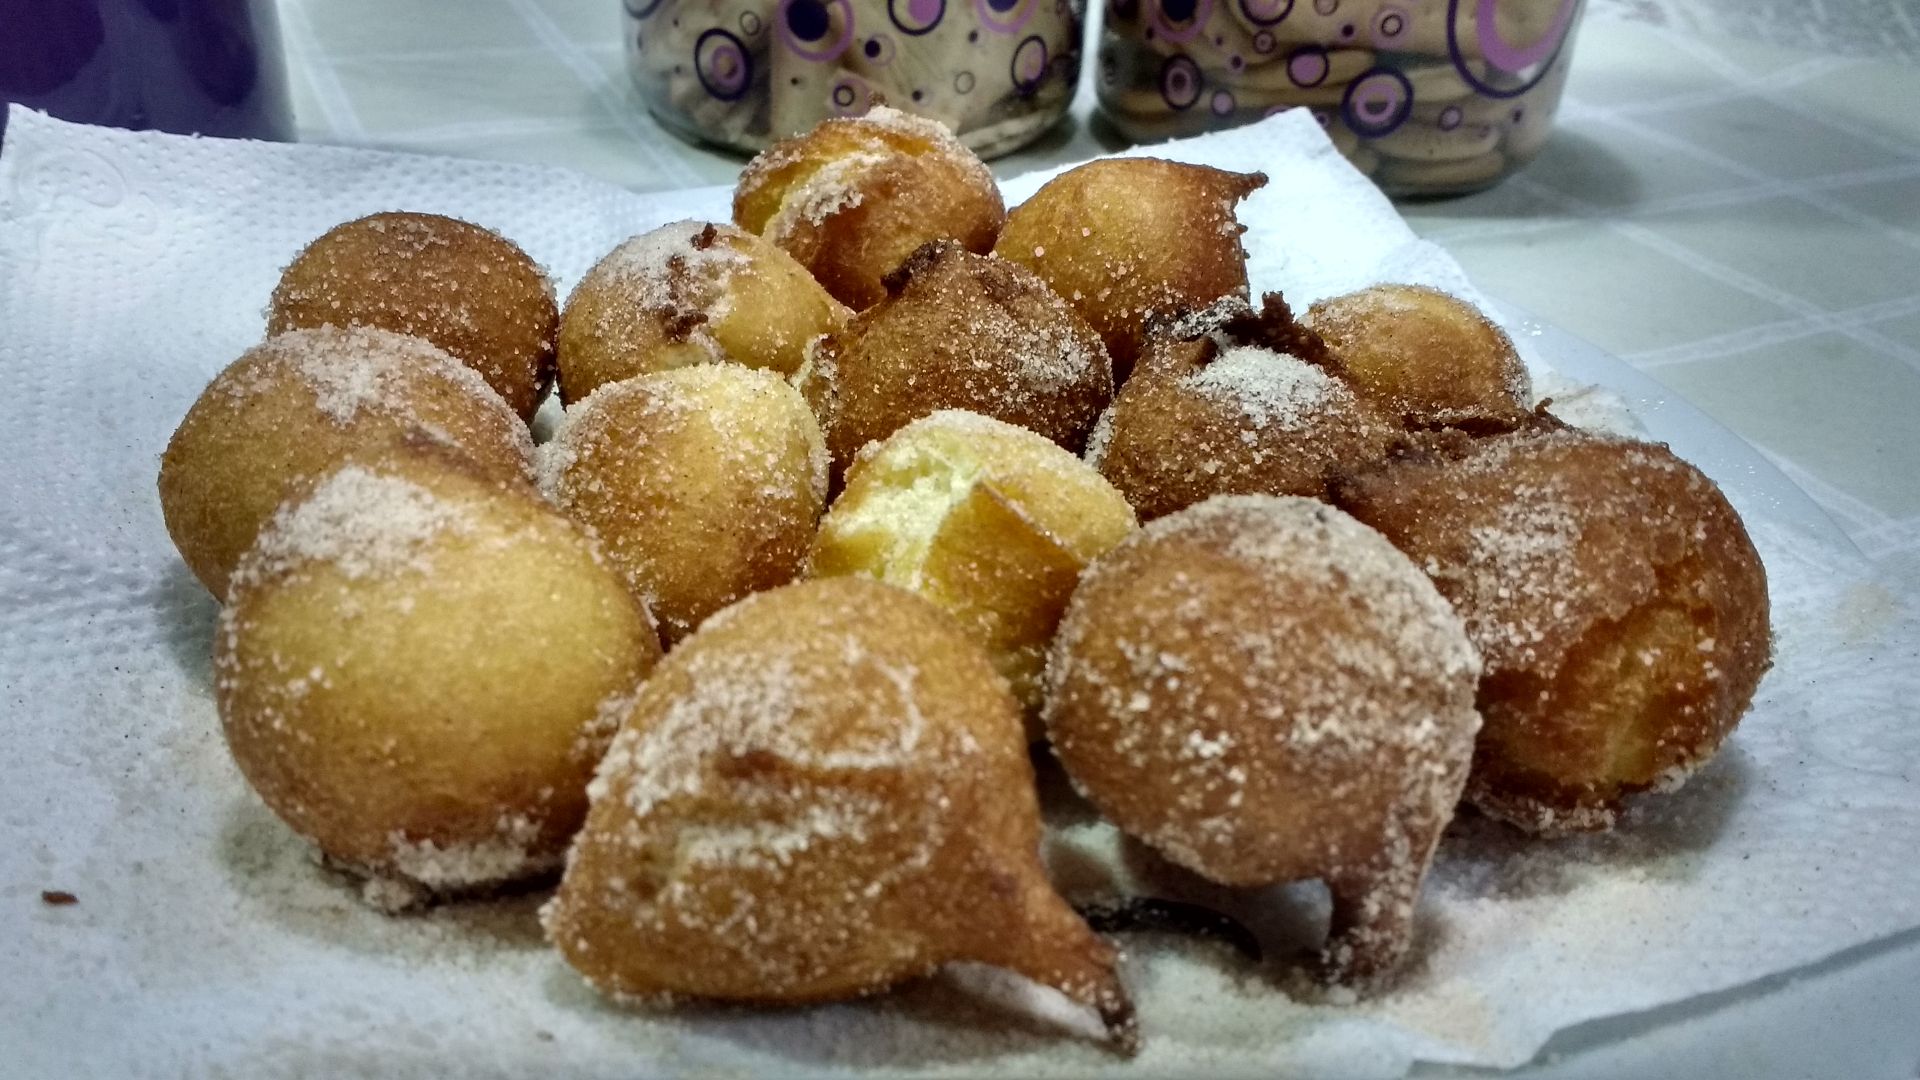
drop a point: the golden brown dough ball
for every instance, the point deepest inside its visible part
(852, 198)
(822, 793)
(991, 522)
(689, 293)
(703, 484)
(418, 669)
(296, 406)
(1619, 603)
(1425, 357)
(958, 331)
(466, 289)
(1127, 239)
(1215, 409)
(1263, 690)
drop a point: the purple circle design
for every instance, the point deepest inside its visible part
(1504, 56)
(1222, 103)
(1029, 65)
(1179, 21)
(963, 83)
(1265, 12)
(644, 9)
(1263, 43)
(750, 23)
(1391, 25)
(1005, 16)
(1377, 102)
(1450, 117)
(916, 17)
(1326, 7)
(806, 28)
(1307, 66)
(878, 49)
(1180, 82)
(723, 64)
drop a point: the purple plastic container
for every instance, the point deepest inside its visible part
(206, 67)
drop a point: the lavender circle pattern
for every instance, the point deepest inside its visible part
(1179, 21)
(1529, 62)
(1180, 82)
(916, 17)
(1377, 102)
(806, 28)
(1029, 65)
(1265, 12)
(1005, 16)
(724, 65)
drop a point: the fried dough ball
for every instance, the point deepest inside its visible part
(703, 484)
(958, 331)
(419, 667)
(1428, 358)
(1129, 239)
(821, 794)
(1215, 409)
(852, 198)
(1263, 690)
(991, 522)
(1616, 597)
(689, 293)
(467, 289)
(296, 406)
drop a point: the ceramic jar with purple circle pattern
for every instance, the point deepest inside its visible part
(742, 73)
(1428, 97)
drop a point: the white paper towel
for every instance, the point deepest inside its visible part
(134, 266)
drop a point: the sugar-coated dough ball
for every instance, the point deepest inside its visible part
(852, 198)
(703, 484)
(1426, 358)
(1215, 409)
(991, 522)
(822, 793)
(958, 331)
(468, 290)
(689, 293)
(1125, 240)
(1620, 606)
(296, 406)
(419, 667)
(1263, 690)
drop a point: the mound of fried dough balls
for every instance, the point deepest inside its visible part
(958, 331)
(1127, 239)
(991, 522)
(417, 671)
(822, 793)
(295, 407)
(852, 198)
(703, 484)
(1218, 408)
(689, 293)
(1427, 358)
(467, 289)
(1263, 690)
(1616, 597)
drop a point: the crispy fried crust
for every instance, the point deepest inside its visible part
(1426, 358)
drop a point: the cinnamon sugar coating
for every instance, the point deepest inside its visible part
(1618, 601)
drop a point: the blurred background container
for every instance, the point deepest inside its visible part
(742, 73)
(208, 67)
(1428, 97)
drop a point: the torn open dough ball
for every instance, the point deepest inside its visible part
(1126, 240)
(1263, 690)
(1216, 408)
(1426, 358)
(689, 293)
(991, 522)
(466, 289)
(294, 407)
(418, 669)
(703, 484)
(821, 794)
(1620, 606)
(852, 198)
(958, 331)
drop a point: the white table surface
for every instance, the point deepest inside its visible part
(1731, 204)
